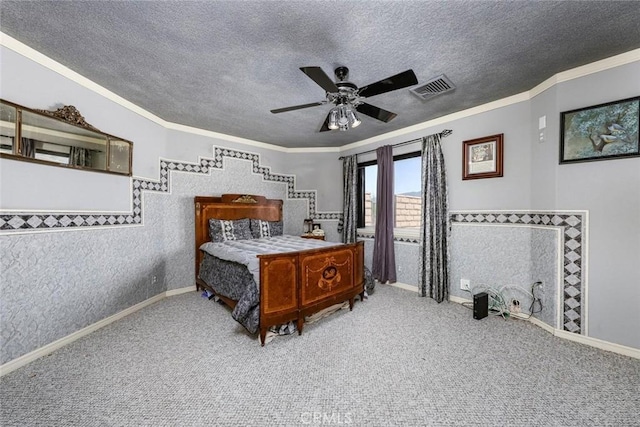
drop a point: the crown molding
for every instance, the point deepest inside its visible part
(585, 70)
(41, 59)
(574, 73)
(224, 137)
(440, 120)
(604, 64)
(32, 54)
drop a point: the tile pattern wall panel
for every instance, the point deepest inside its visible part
(543, 264)
(36, 222)
(54, 284)
(235, 178)
(95, 265)
(544, 267)
(407, 261)
(368, 253)
(574, 242)
(489, 257)
(507, 257)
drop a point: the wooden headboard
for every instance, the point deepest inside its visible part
(231, 206)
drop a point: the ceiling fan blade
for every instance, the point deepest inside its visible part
(376, 112)
(297, 107)
(404, 79)
(325, 125)
(320, 77)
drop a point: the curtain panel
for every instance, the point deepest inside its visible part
(349, 225)
(384, 258)
(28, 147)
(79, 157)
(435, 224)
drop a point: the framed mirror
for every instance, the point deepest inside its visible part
(7, 128)
(60, 138)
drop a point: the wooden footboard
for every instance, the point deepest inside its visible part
(299, 284)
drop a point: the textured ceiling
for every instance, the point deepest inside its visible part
(223, 65)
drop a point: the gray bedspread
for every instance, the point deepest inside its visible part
(244, 252)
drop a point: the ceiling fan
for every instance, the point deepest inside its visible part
(347, 97)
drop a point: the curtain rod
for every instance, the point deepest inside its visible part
(445, 133)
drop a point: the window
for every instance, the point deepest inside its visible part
(407, 194)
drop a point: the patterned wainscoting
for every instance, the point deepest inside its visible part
(47, 294)
(12, 222)
(574, 225)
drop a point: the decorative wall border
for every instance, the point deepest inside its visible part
(401, 239)
(42, 222)
(574, 225)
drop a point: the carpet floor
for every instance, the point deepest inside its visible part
(396, 359)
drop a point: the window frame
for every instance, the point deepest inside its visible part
(361, 192)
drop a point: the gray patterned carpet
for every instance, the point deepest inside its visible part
(397, 359)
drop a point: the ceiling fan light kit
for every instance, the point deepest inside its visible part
(343, 117)
(353, 119)
(333, 119)
(348, 98)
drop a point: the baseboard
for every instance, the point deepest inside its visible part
(405, 286)
(536, 322)
(582, 339)
(51, 347)
(174, 292)
(459, 300)
(598, 343)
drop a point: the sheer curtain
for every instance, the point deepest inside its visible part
(349, 226)
(384, 258)
(435, 227)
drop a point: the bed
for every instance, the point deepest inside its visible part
(269, 280)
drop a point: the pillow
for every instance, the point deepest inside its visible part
(260, 228)
(221, 230)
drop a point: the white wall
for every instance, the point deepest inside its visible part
(609, 189)
(65, 189)
(498, 193)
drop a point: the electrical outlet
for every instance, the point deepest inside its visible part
(515, 306)
(154, 279)
(465, 284)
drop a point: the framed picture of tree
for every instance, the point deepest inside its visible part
(604, 131)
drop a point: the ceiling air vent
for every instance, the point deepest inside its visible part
(434, 87)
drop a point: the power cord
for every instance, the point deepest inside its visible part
(497, 302)
(534, 300)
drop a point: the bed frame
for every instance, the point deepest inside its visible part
(293, 284)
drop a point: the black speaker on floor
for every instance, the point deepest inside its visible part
(480, 305)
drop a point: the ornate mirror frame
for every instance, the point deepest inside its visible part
(61, 138)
